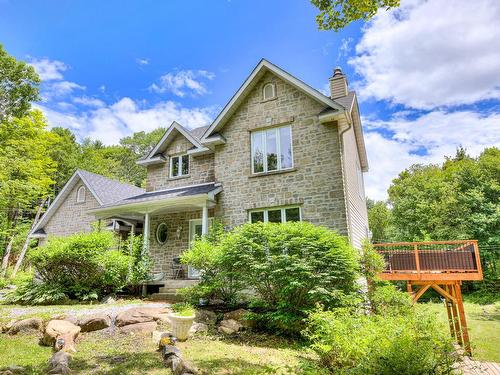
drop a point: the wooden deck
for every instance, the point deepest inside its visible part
(437, 265)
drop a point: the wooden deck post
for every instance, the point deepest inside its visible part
(456, 320)
(463, 321)
(448, 304)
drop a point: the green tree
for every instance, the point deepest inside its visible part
(18, 86)
(337, 14)
(380, 221)
(66, 153)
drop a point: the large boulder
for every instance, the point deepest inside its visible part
(70, 318)
(206, 316)
(229, 326)
(94, 322)
(26, 325)
(61, 334)
(198, 328)
(140, 315)
(241, 316)
(144, 327)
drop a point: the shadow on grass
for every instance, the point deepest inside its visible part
(119, 363)
(263, 340)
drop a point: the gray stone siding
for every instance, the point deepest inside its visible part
(72, 217)
(201, 168)
(162, 255)
(316, 183)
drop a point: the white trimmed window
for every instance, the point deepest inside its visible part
(179, 165)
(269, 91)
(276, 215)
(80, 195)
(272, 149)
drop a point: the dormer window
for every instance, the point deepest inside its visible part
(269, 91)
(179, 166)
(80, 195)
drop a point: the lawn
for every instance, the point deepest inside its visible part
(484, 327)
(248, 353)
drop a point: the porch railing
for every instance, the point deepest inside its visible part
(436, 260)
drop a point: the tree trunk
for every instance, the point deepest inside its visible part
(5, 260)
(28, 239)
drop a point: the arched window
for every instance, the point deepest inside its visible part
(162, 233)
(269, 91)
(80, 195)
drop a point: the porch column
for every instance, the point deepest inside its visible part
(145, 234)
(204, 219)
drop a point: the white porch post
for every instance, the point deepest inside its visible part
(145, 234)
(204, 219)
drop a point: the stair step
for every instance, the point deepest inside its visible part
(166, 297)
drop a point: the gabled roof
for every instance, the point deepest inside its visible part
(262, 67)
(172, 131)
(104, 190)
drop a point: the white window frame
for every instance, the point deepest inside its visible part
(180, 165)
(264, 91)
(278, 149)
(156, 233)
(79, 197)
(266, 212)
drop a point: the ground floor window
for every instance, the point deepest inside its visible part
(276, 215)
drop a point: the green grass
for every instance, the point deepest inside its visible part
(24, 350)
(484, 327)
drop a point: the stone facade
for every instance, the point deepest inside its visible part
(72, 217)
(315, 183)
(201, 168)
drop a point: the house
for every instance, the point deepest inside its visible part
(278, 151)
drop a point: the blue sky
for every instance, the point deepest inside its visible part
(427, 76)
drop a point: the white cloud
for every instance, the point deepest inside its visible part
(432, 53)
(425, 139)
(142, 61)
(89, 102)
(183, 82)
(49, 69)
(109, 124)
(60, 88)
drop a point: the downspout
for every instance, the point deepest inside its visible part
(346, 200)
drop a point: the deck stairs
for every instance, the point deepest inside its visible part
(168, 292)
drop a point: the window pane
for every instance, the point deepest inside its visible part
(274, 216)
(292, 214)
(272, 150)
(175, 166)
(268, 91)
(185, 164)
(286, 147)
(256, 216)
(258, 152)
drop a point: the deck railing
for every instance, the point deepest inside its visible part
(445, 260)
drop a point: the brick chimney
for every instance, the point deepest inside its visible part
(338, 84)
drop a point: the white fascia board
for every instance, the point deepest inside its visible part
(214, 140)
(200, 151)
(264, 64)
(156, 160)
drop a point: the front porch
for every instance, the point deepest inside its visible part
(170, 220)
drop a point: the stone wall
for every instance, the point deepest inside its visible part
(201, 168)
(72, 217)
(315, 183)
(163, 254)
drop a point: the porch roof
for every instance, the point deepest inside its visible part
(186, 197)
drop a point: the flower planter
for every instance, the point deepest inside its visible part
(180, 325)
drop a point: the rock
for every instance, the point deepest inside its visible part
(26, 325)
(6, 327)
(157, 337)
(94, 322)
(61, 334)
(140, 315)
(229, 326)
(13, 370)
(145, 327)
(69, 318)
(59, 363)
(198, 327)
(169, 350)
(241, 316)
(163, 318)
(172, 358)
(206, 316)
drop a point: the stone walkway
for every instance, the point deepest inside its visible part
(471, 367)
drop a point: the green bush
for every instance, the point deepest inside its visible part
(290, 267)
(351, 343)
(387, 300)
(82, 266)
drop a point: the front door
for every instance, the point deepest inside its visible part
(195, 230)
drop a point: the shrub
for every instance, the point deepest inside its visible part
(291, 267)
(183, 309)
(387, 300)
(83, 266)
(350, 343)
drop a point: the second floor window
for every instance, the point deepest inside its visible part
(179, 166)
(272, 149)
